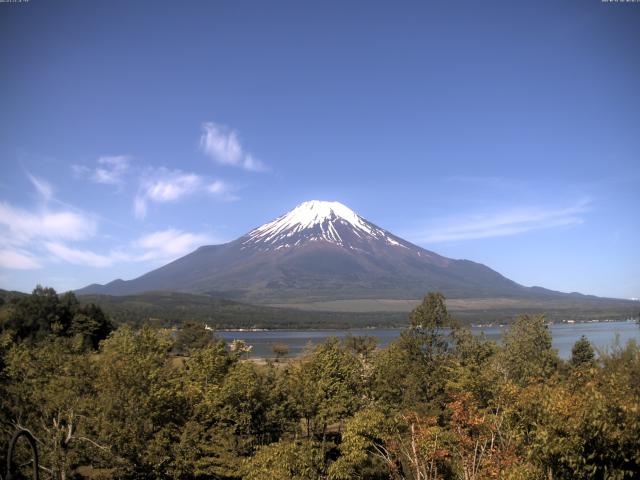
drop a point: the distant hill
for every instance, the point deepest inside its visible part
(325, 252)
(173, 308)
(7, 295)
(170, 308)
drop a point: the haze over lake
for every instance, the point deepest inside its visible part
(602, 335)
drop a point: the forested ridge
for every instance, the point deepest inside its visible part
(152, 403)
(172, 309)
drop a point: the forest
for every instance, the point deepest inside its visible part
(148, 402)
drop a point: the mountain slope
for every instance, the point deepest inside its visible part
(320, 251)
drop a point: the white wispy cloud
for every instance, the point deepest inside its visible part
(18, 259)
(161, 185)
(21, 230)
(110, 170)
(19, 226)
(169, 244)
(29, 239)
(222, 190)
(140, 206)
(503, 223)
(83, 257)
(172, 187)
(163, 245)
(153, 184)
(222, 144)
(44, 188)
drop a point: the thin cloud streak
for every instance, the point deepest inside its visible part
(504, 223)
(44, 188)
(157, 184)
(81, 257)
(22, 231)
(31, 238)
(169, 244)
(18, 259)
(222, 190)
(111, 170)
(223, 146)
(165, 186)
(164, 245)
(20, 226)
(173, 187)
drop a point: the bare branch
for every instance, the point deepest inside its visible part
(102, 447)
(20, 427)
(49, 470)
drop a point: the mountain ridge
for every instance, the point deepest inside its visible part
(320, 251)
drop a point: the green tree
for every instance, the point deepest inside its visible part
(401, 372)
(139, 400)
(582, 354)
(403, 445)
(238, 407)
(474, 366)
(35, 316)
(42, 313)
(363, 346)
(328, 386)
(49, 391)
(584, 433)
(90, 324)
(413, 370)
(244, 402)
(206, 369)
(431, 313)
(364, 443)
(294, 460)
(192, 336)
(528, 355)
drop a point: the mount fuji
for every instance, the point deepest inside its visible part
(321, 251)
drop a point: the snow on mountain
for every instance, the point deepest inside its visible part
(318, 250)
(317, 220)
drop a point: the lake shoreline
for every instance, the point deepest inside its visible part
(601, 334)
(472, 325)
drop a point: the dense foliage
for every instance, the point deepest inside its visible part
(147, 402)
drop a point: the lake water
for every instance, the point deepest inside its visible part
(602, 335)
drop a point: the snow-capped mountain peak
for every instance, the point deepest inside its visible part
(316, 220)
(322, 251)
(314, 212)
(317, 251)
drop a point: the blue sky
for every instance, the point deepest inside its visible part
(507, 133)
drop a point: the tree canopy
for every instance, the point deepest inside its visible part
(44, 312)
(437, 403)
